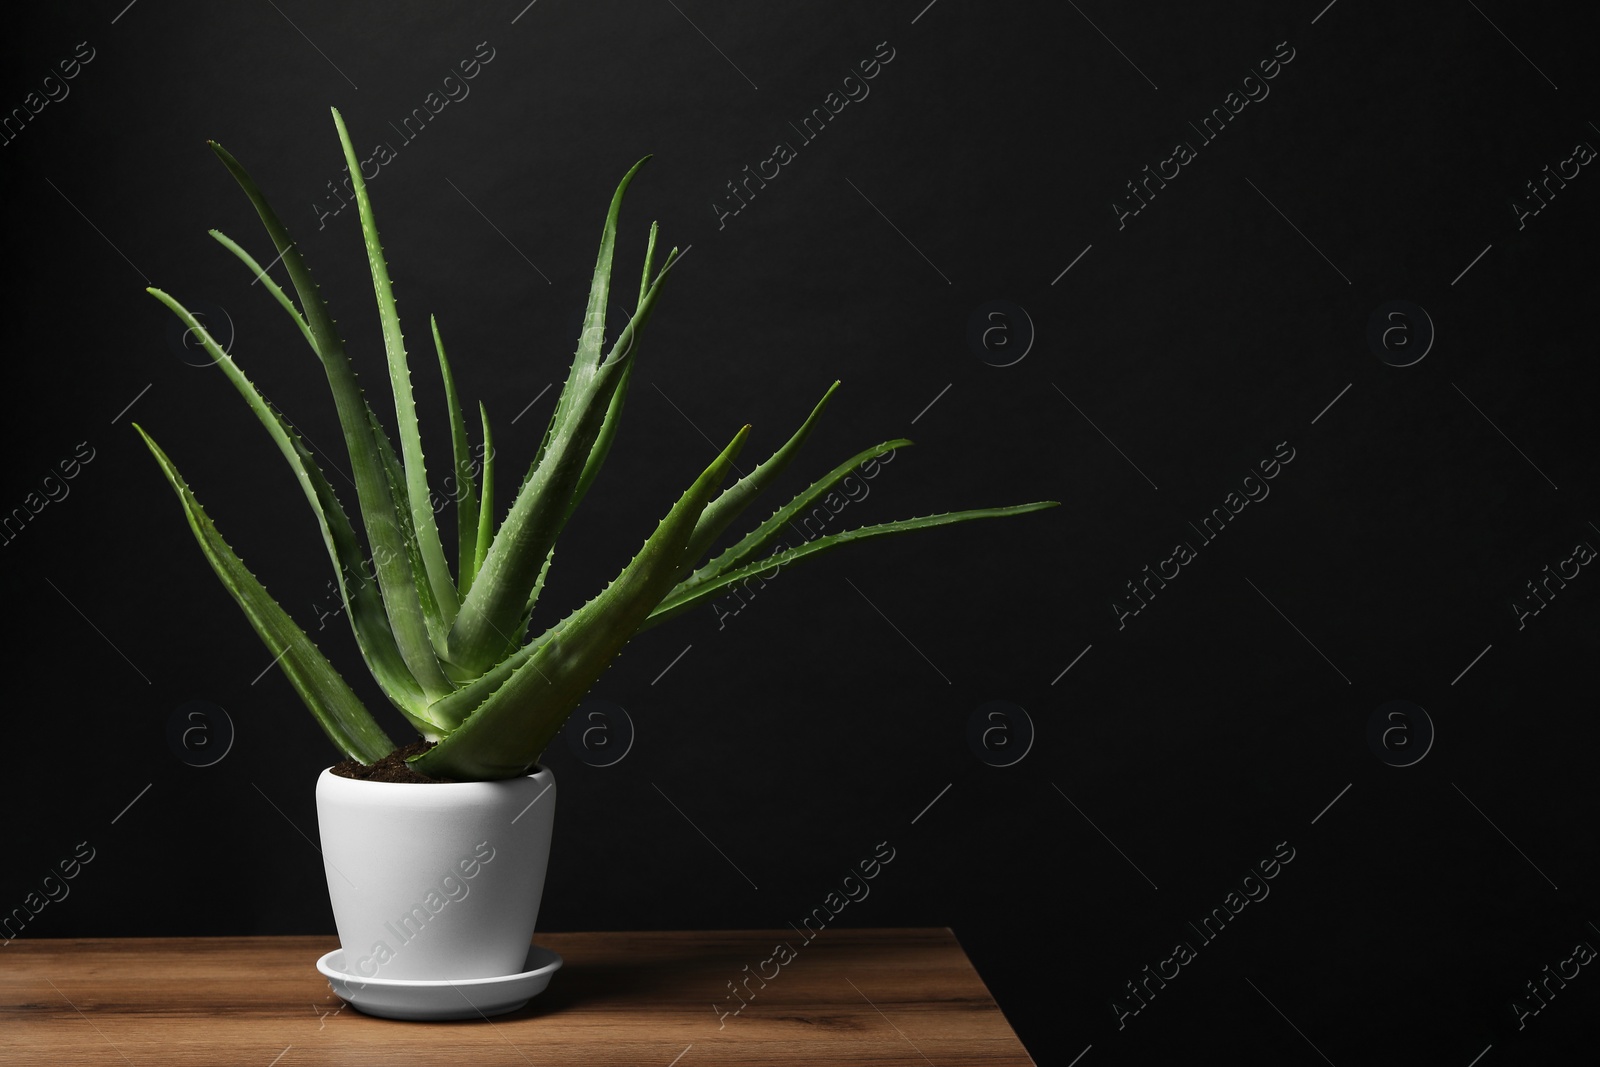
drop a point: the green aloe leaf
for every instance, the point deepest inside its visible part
(649, 263)
(727, 507)
(466, 487)
(268, 283)
(683, 599)
(394, 469)
(425, 528)
(336, 707)
(397, 489)
(753, 542)
(486, 498)
(360, 595)
(391, 463)
(378, 513)
(496, 605)
(623, 353)
(608, 431)
(505, 734)
(591, 336)
(451, 711)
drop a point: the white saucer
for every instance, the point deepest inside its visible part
(462, 998)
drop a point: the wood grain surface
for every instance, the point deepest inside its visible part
(848, 997)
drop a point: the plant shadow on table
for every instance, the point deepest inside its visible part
(587, 981)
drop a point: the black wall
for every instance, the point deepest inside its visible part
(1229, 321)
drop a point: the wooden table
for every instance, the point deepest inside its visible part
(847, 997)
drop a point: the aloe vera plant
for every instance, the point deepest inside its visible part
(450, 651)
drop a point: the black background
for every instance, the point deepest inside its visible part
(1223, 319)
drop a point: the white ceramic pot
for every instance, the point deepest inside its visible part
(439, 880)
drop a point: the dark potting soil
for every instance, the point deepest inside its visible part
(391, 768)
